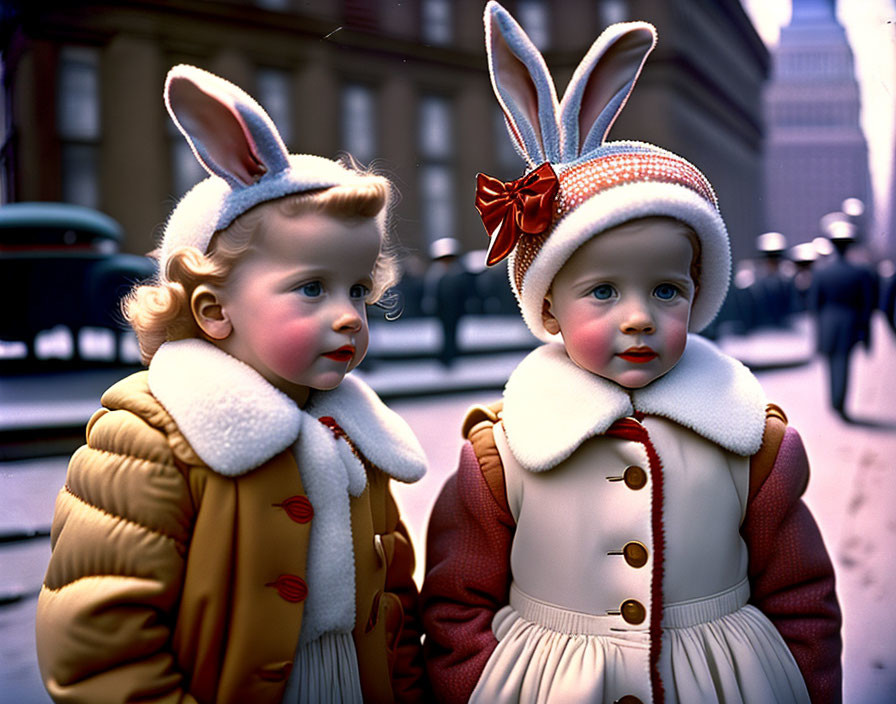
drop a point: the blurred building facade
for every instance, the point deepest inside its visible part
(401, 85)
(816, 153)
(890, 225)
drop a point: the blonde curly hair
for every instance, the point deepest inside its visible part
(161, 311)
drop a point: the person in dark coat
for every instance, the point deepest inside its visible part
(446, 287)
(804, 256)
(888, 301)
(772, 290)
(842, 297)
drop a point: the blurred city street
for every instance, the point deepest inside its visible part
(851, 490)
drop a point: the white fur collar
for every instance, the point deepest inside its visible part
(551, 405)
(235, 420)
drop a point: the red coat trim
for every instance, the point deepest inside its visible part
(631, 429)
(467, 580)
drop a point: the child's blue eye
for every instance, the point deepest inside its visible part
(603, 292)
(665, 292)
(359, 291)
(312, 289)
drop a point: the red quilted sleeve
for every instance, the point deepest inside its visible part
(791, 575)
(467, 580)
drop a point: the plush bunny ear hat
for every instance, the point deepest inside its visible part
(237, 143)
(578, 185)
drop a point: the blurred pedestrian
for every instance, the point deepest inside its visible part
(888, 299)
(445, 290)
(842, 297)
(772, 289)
(410, 287)
(803, 256)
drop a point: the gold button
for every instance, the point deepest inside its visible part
(633, 611)
(634, 477)
(635, 553)
(628, 699)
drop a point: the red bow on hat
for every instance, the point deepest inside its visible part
(521, 207)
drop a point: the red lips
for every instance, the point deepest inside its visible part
(638, 355)
(343, 354)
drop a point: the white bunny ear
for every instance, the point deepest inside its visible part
(601, 85)
(231, 135)
(523, 86)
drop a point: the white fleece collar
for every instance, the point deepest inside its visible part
(551, 405)
(236, 421)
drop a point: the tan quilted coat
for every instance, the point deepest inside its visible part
(170, 582)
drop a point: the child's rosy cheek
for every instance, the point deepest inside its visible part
(593, 333)
(677, 336)
(293, 347)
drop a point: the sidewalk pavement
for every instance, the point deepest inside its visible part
(851, 493)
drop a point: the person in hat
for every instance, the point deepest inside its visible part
(772, 290)
(888, 295)
(842, 298)
(626, 525)
(804, 256)
(228, 533)
(447, 287)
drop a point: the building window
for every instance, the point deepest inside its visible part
(5, 166)
(436, 144)
(437, 201)
(359, 121)
(533, 17)
(275, 96)
(436, 22)
(510, 163)
(5, 122)
(78, 124)
(612, 11)
(436, 137)
(79, 175)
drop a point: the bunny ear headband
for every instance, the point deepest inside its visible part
(577, 184)
(237, 143)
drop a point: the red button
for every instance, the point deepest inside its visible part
(298, 508)
(290, 587)
(331, 423)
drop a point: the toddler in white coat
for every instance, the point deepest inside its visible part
(626, 525)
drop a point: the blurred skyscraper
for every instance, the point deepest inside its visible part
(890, 225)
(816, 153)
(402, 84)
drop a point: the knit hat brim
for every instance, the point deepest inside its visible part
(613, 207)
